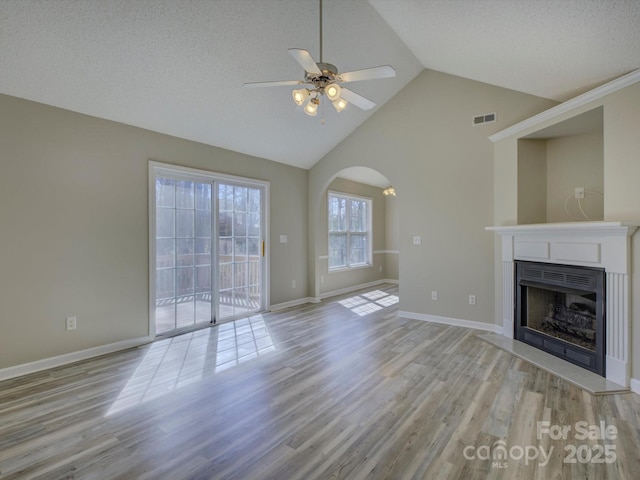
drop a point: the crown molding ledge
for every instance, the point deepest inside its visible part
(584, 228)
(579, 101)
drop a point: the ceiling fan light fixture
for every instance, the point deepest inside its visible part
(311, 108)
(340, 104)
(299, 96)
(333, 91)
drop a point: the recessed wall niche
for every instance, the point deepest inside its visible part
(556, 160)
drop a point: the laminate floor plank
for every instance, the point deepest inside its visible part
(320, 391)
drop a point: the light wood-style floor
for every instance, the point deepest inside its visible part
(340, 390)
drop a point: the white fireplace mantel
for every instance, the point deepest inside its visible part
(605, 245)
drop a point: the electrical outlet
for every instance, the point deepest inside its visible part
(380, 268)
(293, 284)
(434, 295)
(417, 240)
(472, 299)
(72, 322)
(579, 192)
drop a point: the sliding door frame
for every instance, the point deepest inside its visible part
(175, 171)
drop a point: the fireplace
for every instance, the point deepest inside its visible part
(560, 309)
(604, 246)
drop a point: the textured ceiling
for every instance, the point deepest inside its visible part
(177, 66)
(554, 49)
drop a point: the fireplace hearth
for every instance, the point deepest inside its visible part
(560, 309)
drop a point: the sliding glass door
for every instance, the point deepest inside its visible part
(239, 249)
(208, 249)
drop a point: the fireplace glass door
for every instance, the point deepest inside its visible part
(568, 316)
(560, 309)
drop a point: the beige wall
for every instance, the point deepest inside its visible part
(532, 181)
(620, 166)
(548, 172)
(621, 154)
(621, 169)
(575, 161)
(73, 214)
(392, 238)
(441, 166)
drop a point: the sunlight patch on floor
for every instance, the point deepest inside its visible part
(178, 361)
(242, 340)
(366, 303)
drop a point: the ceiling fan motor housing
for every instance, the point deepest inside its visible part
(327, 77)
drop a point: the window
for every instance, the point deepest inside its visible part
(349, 231)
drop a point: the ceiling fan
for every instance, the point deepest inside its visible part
(324, 79)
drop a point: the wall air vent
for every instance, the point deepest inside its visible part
(486, 118)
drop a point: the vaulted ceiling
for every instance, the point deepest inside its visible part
(178, 66)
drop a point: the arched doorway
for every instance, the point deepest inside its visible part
(356, 232)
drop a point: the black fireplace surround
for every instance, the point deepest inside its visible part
(561, 309)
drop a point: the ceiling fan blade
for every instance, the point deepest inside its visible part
(273, 84)
(304, 58)
(357, 100)
(383, 71)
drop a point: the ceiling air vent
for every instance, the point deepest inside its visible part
(486, 118)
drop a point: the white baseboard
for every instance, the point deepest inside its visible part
(46, 363)
(333, 293)
(291, 303)
(353, 288)
(635, 385)
(489, 327)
